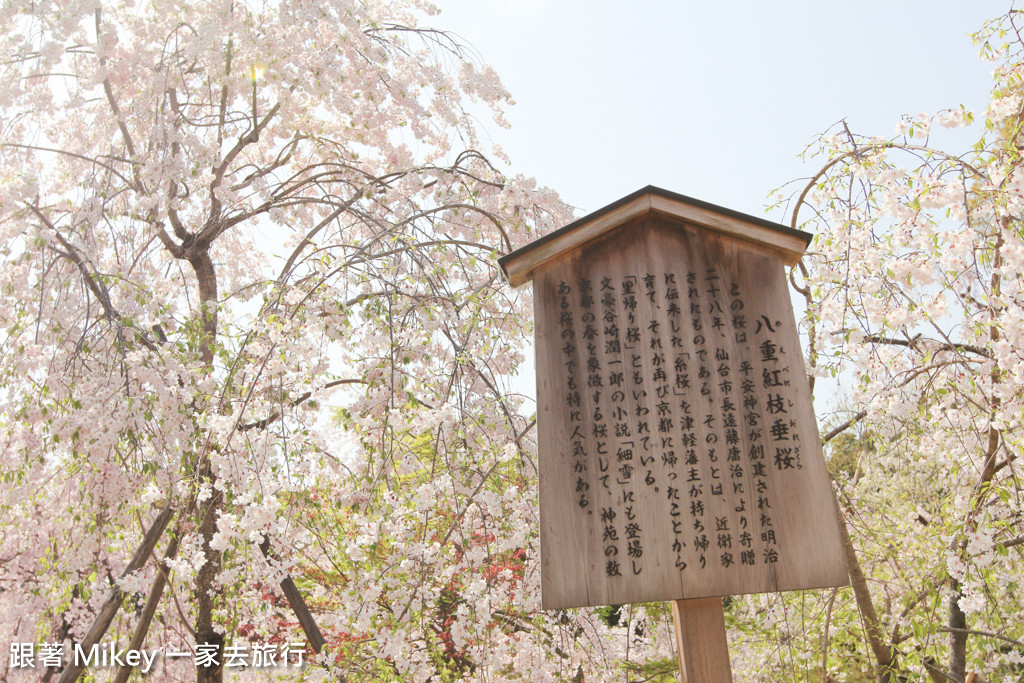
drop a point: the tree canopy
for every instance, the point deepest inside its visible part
(250, 292)
(913, 289)
(256, 362)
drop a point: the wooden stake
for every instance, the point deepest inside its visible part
(297, 603)
(152, 602)
(700, 637)
(113, 603)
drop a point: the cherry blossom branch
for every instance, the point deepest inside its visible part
(896, 638)
(112, 101)
(911, 375)
(862, 151)
(844, 426)
(456, 523)
(1013, 542)
(92, 281)
(917, 343)
(275, 416)
(73, 155)
(983, 634)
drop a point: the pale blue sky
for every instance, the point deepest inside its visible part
(712, 100)
(715, 100)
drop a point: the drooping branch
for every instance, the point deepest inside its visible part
(94, 160)
(89, 275)
(275, 416)
(865, 150)
(918, 343)
(108, 90)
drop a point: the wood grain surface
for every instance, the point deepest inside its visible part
(679, 452)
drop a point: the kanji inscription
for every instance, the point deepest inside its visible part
(679, 453)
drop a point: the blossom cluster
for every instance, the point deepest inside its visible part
(249, 277)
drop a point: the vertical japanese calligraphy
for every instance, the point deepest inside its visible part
(678, 447)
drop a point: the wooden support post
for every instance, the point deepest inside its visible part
(700, 637)
(152, 602)
(297, 603)
(113, 603)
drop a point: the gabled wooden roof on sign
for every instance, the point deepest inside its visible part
(519, 266)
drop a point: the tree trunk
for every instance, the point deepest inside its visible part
(876, 638)
(297, 603)
(957, 637)
(209, 642)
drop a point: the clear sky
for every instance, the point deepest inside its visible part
(713, 100)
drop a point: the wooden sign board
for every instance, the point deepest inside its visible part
(679, 453)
